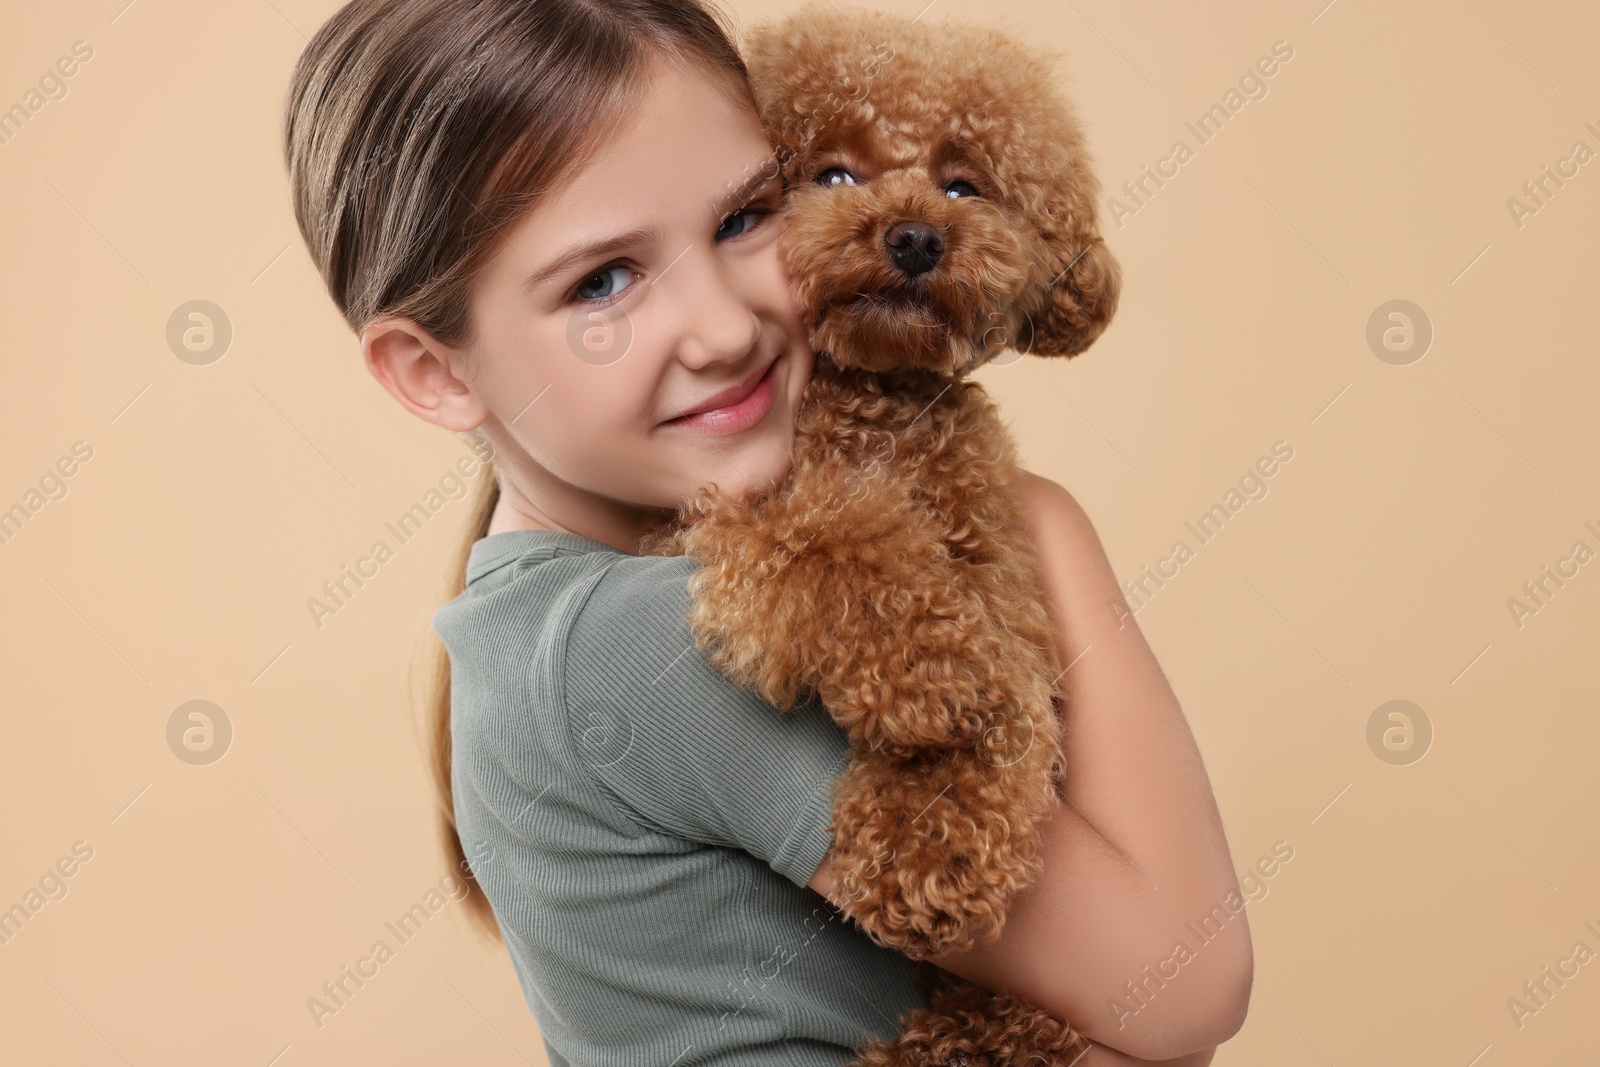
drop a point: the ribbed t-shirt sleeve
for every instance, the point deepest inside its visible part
(684, 750)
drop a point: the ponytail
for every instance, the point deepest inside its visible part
(436, 699)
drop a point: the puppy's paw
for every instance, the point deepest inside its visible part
(966, 1025)
(932, 852)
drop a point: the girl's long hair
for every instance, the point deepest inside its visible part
(416, 132)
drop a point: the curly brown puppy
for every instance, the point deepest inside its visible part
(939, 209)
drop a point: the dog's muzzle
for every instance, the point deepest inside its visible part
(915, 247)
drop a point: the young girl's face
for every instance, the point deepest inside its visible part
(648, 285)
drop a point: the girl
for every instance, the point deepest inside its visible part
(548, 224)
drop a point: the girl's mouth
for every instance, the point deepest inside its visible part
(738, 416)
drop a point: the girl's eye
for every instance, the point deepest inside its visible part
(602, 286)
(751, 213)
(602, 289)
(834, 176)
(957, 189)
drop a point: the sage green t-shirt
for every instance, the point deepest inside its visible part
(643, 828)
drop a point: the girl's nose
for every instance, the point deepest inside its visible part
(718, 323)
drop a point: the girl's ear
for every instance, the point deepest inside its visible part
(419, 372)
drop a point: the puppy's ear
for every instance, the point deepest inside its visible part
(1085, 280)
(1079, 306)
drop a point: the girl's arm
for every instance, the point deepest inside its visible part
(1135, 859)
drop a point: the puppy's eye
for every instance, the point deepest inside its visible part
(957, 189)
(836, 176)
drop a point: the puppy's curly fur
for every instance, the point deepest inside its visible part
(939, 209)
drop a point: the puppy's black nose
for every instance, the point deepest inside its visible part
(915, 247)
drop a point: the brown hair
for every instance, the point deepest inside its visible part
(416, 131)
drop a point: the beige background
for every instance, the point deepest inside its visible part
(1379, 566)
